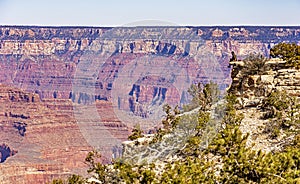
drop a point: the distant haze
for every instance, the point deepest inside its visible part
(120, 12)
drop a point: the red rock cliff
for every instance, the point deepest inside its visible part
(48, 74)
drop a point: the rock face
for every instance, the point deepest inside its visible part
(49, 74)
(44, 59)
(40, 140)
(253, 88)
(6, 152)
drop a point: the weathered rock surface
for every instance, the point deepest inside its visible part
(251, 91)
(252, 88)
(38, 102)
(39, 142)
(44, 59)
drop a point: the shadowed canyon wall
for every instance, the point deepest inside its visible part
(40, 136)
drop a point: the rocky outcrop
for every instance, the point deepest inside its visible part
(253, 88)
(32, 172)
(43, 114)
(44, 59)
(40, 139)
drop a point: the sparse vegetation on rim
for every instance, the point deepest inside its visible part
(287, 51)
(228, 158)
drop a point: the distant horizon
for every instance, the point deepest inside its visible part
(192, 26)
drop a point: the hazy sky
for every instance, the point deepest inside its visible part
(120, 12)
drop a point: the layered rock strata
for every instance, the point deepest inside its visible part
(45, 120)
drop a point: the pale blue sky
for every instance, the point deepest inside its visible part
(120, 12)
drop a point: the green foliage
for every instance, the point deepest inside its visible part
(251, 65)
(280, 100)
(95, 167)
(289, 52)
(76, 179)
(211, 94)
(255, 65)
(73, 179)
(227, 159)
(228, 141)
(58, 181)
(234, 161)
(126, 173)
(230, 136)
(231, 116)
(203, 118)
(282, 110)
(203, 97)
(136, 133)
(241, 164)
(134, 173)
(193, 143)
(170, 121)
(158, 135)
(191, 170)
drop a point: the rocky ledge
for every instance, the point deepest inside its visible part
(268, 95)
(38, 66)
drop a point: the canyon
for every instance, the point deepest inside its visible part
(68, 90)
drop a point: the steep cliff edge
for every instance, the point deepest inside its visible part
(38, 142)
(257, 140)
(268, 96)
(44, 59)
(38, 66)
